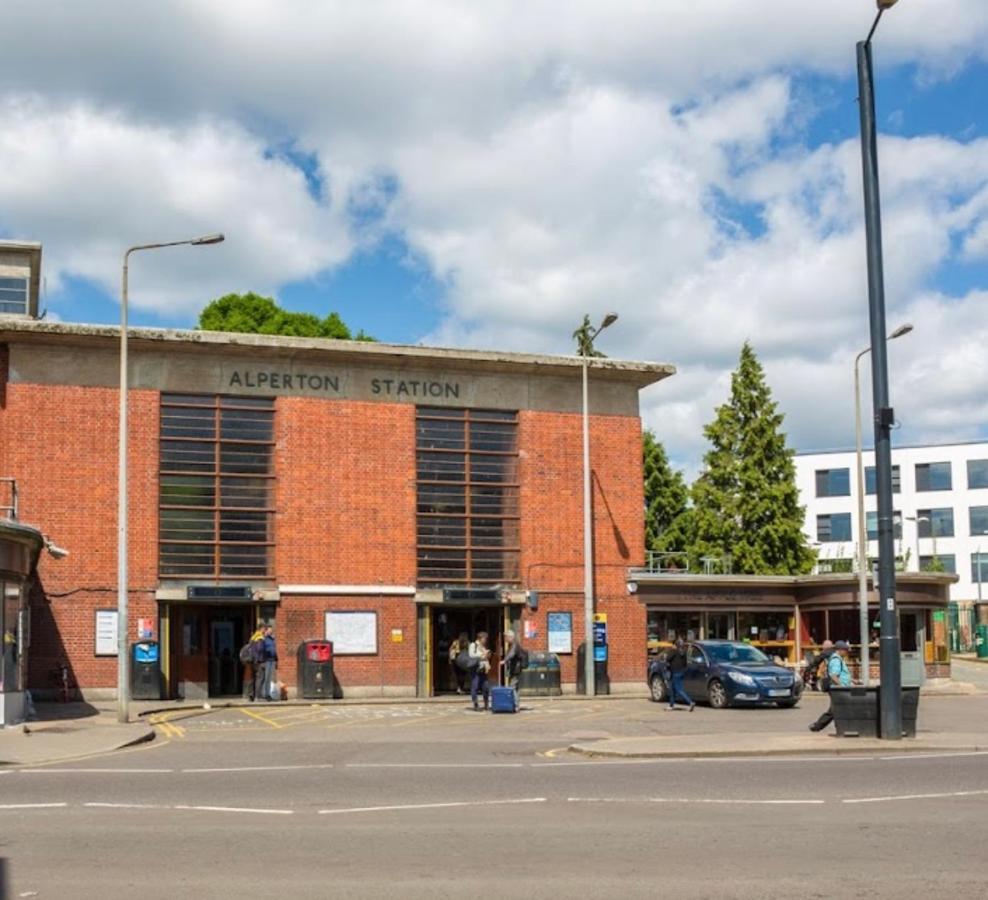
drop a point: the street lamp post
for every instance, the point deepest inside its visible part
(123, 652)
(863, 620)
(917, 519)
(588, 656)
(890, 699)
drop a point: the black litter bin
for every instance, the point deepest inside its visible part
(855, 711)
(315, 670)
(145, 671)
(602, 681)
(541, 677)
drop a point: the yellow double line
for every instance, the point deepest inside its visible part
(169, 729)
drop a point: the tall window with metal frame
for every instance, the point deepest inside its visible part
(216, 487)
(467, 496)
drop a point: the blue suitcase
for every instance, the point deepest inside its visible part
(504, 700)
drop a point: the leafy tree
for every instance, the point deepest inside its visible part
(252, 314)
(667, 514)
(746, 503)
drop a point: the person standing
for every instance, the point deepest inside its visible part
(810, 674)
(480, 652)
(677, 662)
(269, 661)
(838, 675)
(460, 645)
(254, 685)
(514, 659)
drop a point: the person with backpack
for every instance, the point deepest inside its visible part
(457, 649)
(811, 674)
(249, 657)
(838, 675)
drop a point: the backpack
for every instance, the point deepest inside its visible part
(522, 658)
(250, 653)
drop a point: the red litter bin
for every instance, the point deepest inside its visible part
(315, 670)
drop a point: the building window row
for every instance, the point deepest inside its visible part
(215, 487)
(13, 295)
(932, 523)
(936, 476)
(467, 513)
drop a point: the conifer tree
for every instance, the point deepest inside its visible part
(667, 515)
(746, 503)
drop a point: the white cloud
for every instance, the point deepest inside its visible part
(549, 159)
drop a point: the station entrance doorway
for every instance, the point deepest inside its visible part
(203, 646)
(443, 624)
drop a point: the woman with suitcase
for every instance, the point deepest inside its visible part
(480, 652)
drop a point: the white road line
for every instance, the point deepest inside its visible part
(900, 756)
(719, 801)
(436, 765)
(238, 809)
(125, 806)
(98, 771)
(915, 797)
(259, 769)
(33, 805)
(413, 806)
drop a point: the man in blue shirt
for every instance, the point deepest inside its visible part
(838, 675)
(269, 657)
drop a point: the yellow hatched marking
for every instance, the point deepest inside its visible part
(260, 717)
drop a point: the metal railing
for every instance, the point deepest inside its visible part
(668, 563)
(10, 511)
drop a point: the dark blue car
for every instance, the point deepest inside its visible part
(728, 673)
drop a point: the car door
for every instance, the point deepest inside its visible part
(697, 672)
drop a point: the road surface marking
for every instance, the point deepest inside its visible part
(712, 800)
(238, 809)
(915, 797)
(100, 771)
(260, 768)
(945, 755)
(436, 765)
(125, 805)
(414, 806)
(260, 717)
(32, 805)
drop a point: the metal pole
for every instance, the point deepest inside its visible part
(123, 660)
(890, 692)
(588, 662)
(123, 653)
(863, 623)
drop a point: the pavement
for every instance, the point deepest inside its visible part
(67, 731)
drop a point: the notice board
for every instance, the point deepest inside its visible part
(352, 633)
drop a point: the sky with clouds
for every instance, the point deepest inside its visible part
(483, 174)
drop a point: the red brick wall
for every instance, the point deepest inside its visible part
(394, 665)
(345, 514)
(346, 492)
(61, 444)
(552, 528)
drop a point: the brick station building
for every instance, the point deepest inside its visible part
(387, 497)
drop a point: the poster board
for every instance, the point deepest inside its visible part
(560, 628)
(353, 633)
(106, 632)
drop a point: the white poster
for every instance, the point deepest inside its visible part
(560, 628)
(106, 632)
(352, 632)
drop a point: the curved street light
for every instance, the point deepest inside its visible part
(588, 656)
(123, 657)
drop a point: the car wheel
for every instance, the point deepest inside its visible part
(657, 689)
(787, 704)
(717, 695)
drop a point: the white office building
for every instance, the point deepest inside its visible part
(940, 503)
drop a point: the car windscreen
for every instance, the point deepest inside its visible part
(736, 653)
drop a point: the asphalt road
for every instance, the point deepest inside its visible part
(435, 801)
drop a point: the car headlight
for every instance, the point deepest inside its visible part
(741, 678)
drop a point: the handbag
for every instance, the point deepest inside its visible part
(465, 661)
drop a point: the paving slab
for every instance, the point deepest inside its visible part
(720, 745)
(68, 731)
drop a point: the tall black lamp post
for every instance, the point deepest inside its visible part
(890, 689)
